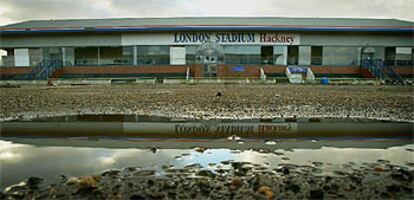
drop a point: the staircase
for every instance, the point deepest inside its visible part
(380, 70)
(45, 69)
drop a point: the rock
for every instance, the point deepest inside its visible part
(237, 165)
(317, 164)
(293, 187)
(200, 149)
(204, 185)
(393, 189)
(378, 169)
(265, 190)
(236, 183)
(316, 194)
(206, 173)
(193, 166)
(111, 173)
(84, 182)
(16, 189)
(33, 182)
(401, 175)
(153, 149)
(270, 142)
(157, 195)
(283, 170)
(145, 173)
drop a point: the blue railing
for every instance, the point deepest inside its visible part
(389, 71)
(380, 69)
(45, 69)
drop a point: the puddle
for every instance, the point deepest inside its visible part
(154, 126)
(159, 152)
(51, 160)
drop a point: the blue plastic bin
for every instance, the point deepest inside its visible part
(325, 81)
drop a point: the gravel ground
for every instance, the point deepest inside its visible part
(204, 101)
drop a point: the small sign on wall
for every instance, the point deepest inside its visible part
(238, 69)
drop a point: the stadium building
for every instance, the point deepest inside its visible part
(206, 47)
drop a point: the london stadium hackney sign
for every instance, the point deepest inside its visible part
(236, 38)
(223, 38)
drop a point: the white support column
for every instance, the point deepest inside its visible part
(99, 56)
(135, 53)
(63, 56)
(285, 55)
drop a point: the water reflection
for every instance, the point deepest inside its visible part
(20, 161)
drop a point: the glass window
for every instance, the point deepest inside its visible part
(110, 55)
(6, 57)
(153, 55)
(242, 54)
(316, 55)
(85, 56)
(51, 53)
(389, 55)
(403, 56)
(347, 56)
(35, 56)
(69, 56)
(280, 55)
(293, 55)
(190, 52)
(127, 55)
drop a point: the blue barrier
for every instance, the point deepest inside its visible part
(298, 70)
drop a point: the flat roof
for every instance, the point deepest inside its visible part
(211, 24)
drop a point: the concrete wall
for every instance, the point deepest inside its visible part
(116, 39)
(126, 70)
(357, 39)
(60, 40)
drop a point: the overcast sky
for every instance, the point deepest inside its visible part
(12, 11)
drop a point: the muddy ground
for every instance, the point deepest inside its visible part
(212, 101)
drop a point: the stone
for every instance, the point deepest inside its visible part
(236, 183)
(393, 189)
(33, 182)
(153, 149)
(316, 194)
(84, 182)
(200, 149)
(293, 187)
(378, 169)
(206, 173)
(111, 173)
(265, 190)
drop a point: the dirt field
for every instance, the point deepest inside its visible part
(205, 101)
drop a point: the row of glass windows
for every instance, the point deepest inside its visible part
(160, 55)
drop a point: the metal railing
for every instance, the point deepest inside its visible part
(380, 69)
(44, 69)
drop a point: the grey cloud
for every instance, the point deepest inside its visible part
(146, 8)
(19, 10)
